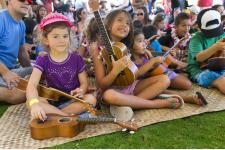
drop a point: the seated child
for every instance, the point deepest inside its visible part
(62, 70)
(204, 45)
(180, 30)
(177, 81)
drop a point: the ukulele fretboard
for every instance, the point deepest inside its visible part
(97, 119)
(103, 32)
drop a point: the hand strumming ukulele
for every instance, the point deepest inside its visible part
(116, 50)
(216, 62)
(54, 94)
(168, 59)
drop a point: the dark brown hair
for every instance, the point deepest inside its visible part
(180, 17)
(158, 18)
(92, 30)
(110, 18)
(146, 18)
(38, 17)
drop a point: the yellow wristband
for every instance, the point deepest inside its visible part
(33, 101)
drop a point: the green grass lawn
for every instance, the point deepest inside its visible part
(202, 131)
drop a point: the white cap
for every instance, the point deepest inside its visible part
(194, 9)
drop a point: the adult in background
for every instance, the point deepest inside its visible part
(142, 15)
(12, 40)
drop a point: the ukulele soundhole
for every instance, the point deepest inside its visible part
(40, 121)
(63, 120)
(122, 73)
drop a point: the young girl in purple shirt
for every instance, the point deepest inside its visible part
(61, 69)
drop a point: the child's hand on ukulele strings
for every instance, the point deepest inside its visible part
(78, 92)
(121, 63)
(148, 54)
(38, 112)
(157, 60)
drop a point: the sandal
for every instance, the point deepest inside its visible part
(201, 98)
(168, 98)
(122, 113)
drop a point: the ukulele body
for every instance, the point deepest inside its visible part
(55, 126)
(215, 63)
(162, 68)
(127, 76)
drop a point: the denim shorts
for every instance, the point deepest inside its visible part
(206, 77)
(61, 103)
(22, 72)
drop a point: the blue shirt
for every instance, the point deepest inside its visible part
(155, 45)
(12, 36)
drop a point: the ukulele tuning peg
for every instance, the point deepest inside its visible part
(131, 132)
(124, 130)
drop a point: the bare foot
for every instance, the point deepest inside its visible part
(171, 102)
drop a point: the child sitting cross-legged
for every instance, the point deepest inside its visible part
(62, 70)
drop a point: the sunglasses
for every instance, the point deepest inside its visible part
(140, 14)
(29, 1)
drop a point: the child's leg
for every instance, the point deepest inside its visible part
(194, 99)
(78, 107)
(49, 109)
(181, 82)
(116, 98)
(151, 87)
(219, 84)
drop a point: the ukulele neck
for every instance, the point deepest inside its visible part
(97, 119)
(103, 33)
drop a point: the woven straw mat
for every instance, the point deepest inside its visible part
(15, 132)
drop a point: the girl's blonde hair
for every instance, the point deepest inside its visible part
(48, 28)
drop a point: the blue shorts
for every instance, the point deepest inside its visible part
(206, 77)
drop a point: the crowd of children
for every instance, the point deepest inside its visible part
(51, 38)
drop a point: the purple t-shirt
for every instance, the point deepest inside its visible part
(64, 75)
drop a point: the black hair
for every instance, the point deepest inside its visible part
(180, 17)
(30, 24)
(137, 24)
(216, 6)
(78, 13)
(149, 31)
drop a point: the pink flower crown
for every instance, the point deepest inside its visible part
(54, 17)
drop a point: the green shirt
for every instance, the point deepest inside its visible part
(198, 43)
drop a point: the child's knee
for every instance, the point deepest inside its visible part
(164, 80)
(109, 95)
(187, 85)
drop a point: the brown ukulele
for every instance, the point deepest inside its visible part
(54, 94)
(58, 126)
(168, 60)
(116, 50)
(216, 62)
